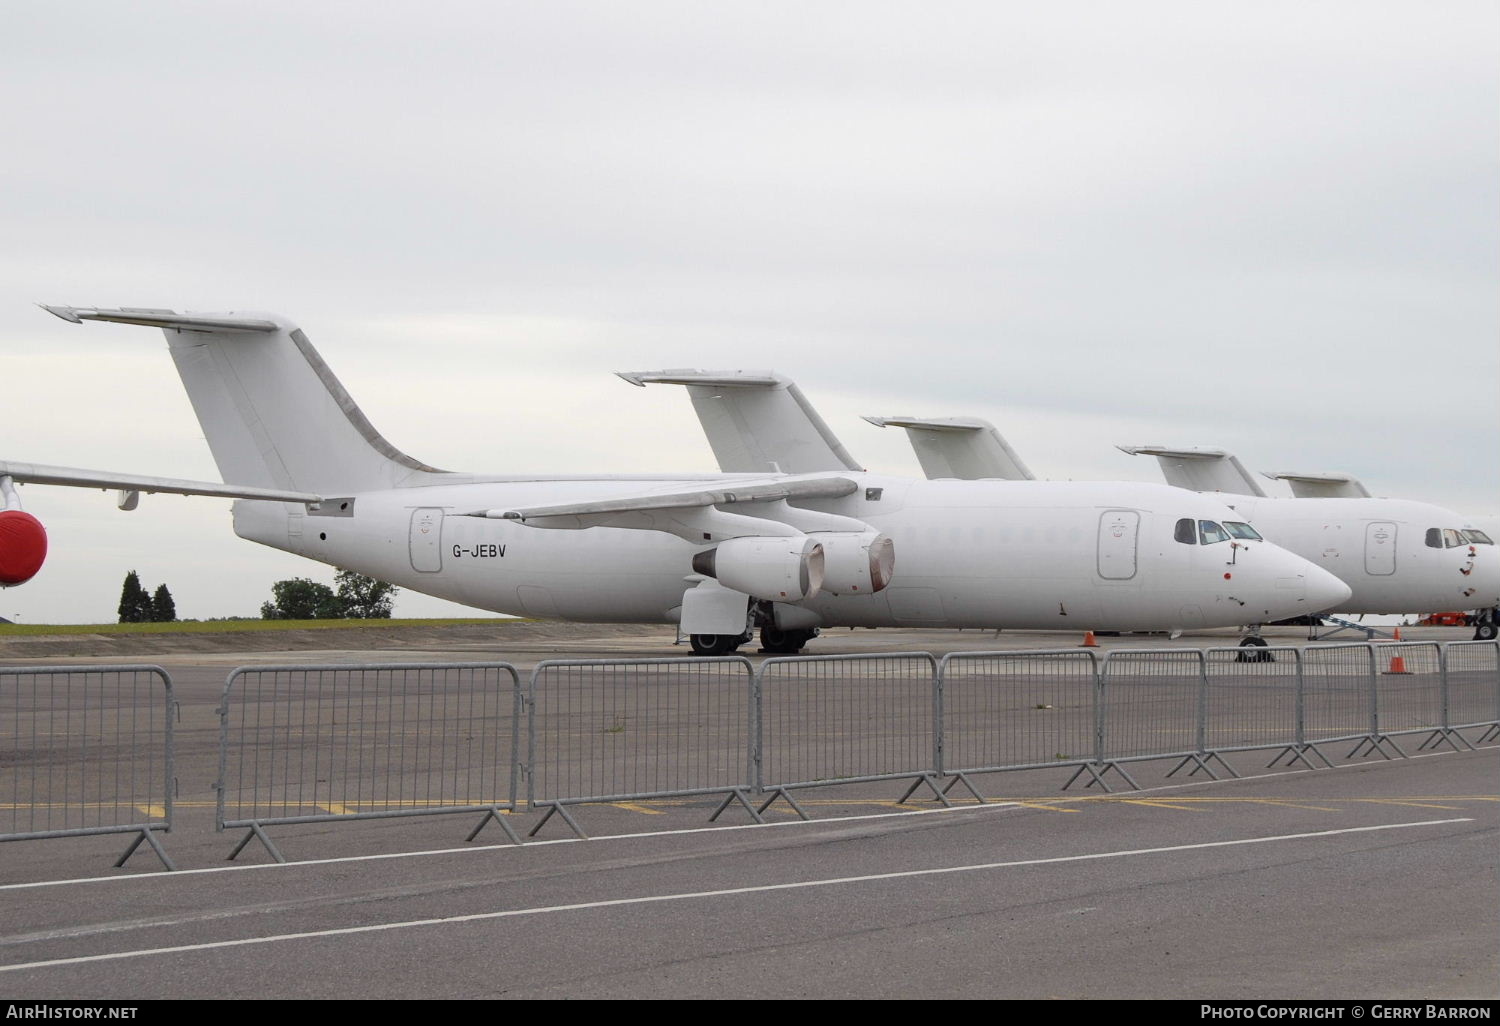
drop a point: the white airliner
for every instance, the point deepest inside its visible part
(1393, 554)
(1397, 556)
(1476, 530)
(786, 546)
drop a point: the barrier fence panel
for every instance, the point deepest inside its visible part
(86, 751)
(1250, 698)
(846, 719)
(1338, 693)
(334, 743)
(1018, 710)
(1473, 684)
(623, 730)
(1408, 687)
(1151, 703)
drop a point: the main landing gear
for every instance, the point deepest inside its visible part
(717, 644)
(776, 641)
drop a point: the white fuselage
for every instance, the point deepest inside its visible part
(1381, 549)
(1033, 555)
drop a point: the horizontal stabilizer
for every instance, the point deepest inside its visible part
(757, 422)
(160, 319)
(960, 447)
(35, 473)
(1329, 485)
(1200, 470)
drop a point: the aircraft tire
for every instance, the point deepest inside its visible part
(1486, 630)
(1250, 655)
(715, 644)
(775, 641)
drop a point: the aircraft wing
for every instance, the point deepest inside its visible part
(962, 447)
(1200, 470)
(756, 421)
(755, 508)
(1329, 485)
(36, 473)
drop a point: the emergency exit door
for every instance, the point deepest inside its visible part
(426, 542)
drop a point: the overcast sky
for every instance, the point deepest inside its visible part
(1271, 228)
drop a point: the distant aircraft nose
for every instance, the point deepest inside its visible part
(1484, 578)
(1323, 590)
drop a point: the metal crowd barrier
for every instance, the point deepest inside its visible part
(88, 751)
(1408, 690)
(628, 730)
(303, 744)
(844, 720)
(1018, 710)
(1253, 700)
(1471, 697)
(1151, 707)
(1338, 698)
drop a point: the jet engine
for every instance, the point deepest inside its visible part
(777, 569)
(23, 547)
(856, 564)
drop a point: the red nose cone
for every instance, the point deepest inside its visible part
(23, 546)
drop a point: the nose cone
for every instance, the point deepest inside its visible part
(1324, 591)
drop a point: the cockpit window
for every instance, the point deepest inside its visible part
(1453, 539)
(1434, 538)
(1186, 532)
(1477, 537)
(1239, 530)
(1210, 533)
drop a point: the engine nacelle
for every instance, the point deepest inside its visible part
(778, 569)
(856, 564)
(23, 547)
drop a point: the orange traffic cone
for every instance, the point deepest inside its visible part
(1398, 665)
(1397, 635)
(1088, 640)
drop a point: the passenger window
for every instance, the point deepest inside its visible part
(1434, 538)
(1186, 532)
(1477, 537)
(1452, 539)
(1210, 533)
(1239, 530)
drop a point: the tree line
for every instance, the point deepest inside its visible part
(353, 597)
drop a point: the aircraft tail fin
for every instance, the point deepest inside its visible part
(272, 411)
(1322, 485)
(1201, 470)
(756, 422)
(966, 448)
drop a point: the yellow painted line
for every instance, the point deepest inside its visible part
(1040, 805)
(1417, 805)
(1158, 805)
(159, 811)
(336, 809)
(1282, 803)
(638, 807)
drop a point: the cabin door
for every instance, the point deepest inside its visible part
(1380, 549)
(1118, 529)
